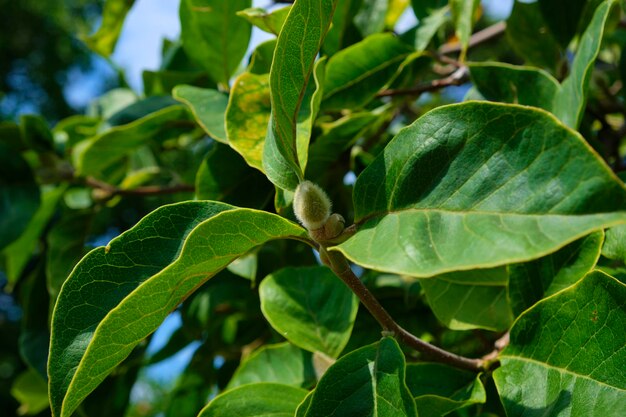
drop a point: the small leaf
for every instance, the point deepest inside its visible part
(247, 117)
(342, 28)
(463, 12)
(371, 18)
(358, 72)
(208, 108)
(530, 282)
(19, 195)
(306, 27)
(119, 294)
(214, 36)
(281, 363)
(566, 354)
(261, 58)
(271, 22)
(474, 299)
(30, 389)
(489, 175)
(310, 307)
(256, 400)
(440, 389)
(113, 15)
(615, 243)
(570, 101)
(369, 381)
(104, 150)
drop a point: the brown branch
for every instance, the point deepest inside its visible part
(477, 38)
(458, 77)
(111, 190)
(339, 265)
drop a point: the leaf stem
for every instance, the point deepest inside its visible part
(458, 77)
(339, 265)
(112, 190)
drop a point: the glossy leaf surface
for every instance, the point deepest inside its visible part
(117, 295)
(367, 381)
(488, 175)
(207, 106)
(310, 307)
(565, 354)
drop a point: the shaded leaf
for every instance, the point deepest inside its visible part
(470, 299)
(119, 294)
(256, 400)
(424, 8)
(615, 243)
(310, 307)
(30, 389)
(439, 389)
(491, 175)
(261, 58)
(214, 36)
(566, 352)
(340, 30)
(371, 18)
(207, 106)
(530, 282)
(281, 363)
(367, 381)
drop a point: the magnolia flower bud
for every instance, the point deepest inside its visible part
(311, 205)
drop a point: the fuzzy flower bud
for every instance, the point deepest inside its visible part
(311, 205)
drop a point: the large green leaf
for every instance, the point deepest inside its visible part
(19, 195)
(256, 400)
(247, 117)
(296, 49)
(208, 107)
(214, 36)
(282, 363)
(104, 40)
(514, 84)
(104, 150)
(532, 281)
(358, 72)
(439, 389)
(570, 101)
(566, 355)
(369, 381)
(311, 307)
(468, 178)
(119, 294)
(470, 299)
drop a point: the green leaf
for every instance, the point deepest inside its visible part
(428, 28)
(357, 73)
(369, 381)
(463, 12)
(371, 18)
(340, 30)
(261, 58)
(139, 109)
(305, 27)
(19, 195)
(271, 22)
(566, 354)
(36, 133)
(225, 176)
(310, 307)
(475, 299)
(563, 17)
(515, 84)
(104, 150)
(214, 36)
(424, 8)
(207, 106)
(247, 117)
(30, 389)
(490, 175)
(113, 15)
(22, 249)
(440, 389)
(119, 294)
(615, 243)
(528, 34)
(281, 363)
(530, 282)
(256, 400)
(570, 101)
